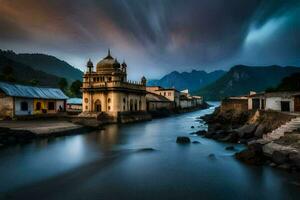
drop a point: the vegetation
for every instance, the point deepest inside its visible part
(75, 88)
(289, 83)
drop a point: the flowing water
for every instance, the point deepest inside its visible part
(138, 161)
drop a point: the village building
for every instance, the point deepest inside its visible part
(235, 103)
(74, 104)
(189, 101)
(157, 102)
(170, 93)
(279, 101)
(20, 100)
(107, 90)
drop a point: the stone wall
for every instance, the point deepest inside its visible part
(6, 106)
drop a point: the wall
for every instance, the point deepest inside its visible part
(18, 110)
(274, 103)
(234, 104)
(6, 106)
(158, 105)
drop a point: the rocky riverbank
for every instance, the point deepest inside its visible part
(251, 129)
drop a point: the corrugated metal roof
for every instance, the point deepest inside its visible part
(77, 101)
(16, 90)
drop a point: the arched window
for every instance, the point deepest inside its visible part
(108, 100)
(124, 100)
(38, 106)
(24, 106)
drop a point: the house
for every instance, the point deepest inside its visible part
(279, 101)
(22, 100)
(189, 101)
(239, 103)
(170, 93)
(74, 104)
(157, 102)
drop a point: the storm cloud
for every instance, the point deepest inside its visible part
(156, 36)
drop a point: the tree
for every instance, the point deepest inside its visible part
(8, 73)
(63, 84)
(75, 88)
(34, 82)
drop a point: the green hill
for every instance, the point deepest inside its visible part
(46, 63)
(241, 79)
(13, 71)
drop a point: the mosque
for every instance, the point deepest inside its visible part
(107, 90)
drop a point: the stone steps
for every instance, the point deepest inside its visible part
(290, 126)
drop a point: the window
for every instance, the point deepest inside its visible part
(109, 78)
(169, 93)
(124, 100)
(38, 106)
(108, 107)
(123, 107)
(164, 93)
(24, 106)
(86, 100)
(108, 100)
(51, 105)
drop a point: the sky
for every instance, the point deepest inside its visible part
(155, 37)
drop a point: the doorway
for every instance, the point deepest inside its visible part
(285, 106)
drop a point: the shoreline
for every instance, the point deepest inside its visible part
(254, 129)
(14, 132)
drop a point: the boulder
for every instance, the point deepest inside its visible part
(253, 155)
(196, 142)
(201, 132)
(183, 140)
(294, 159)
(230, 148)
(280, 157)
(259, 131)
(192, 127)
(231, 137)
(246, 131)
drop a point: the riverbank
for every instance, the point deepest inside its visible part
(255, 129)
(20, 132)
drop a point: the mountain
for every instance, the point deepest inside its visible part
(11, 70)
(241, 79)
(289, 83)
(46, 63)
(193, 80)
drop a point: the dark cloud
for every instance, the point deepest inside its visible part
(156, 36)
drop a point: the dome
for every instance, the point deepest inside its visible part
(108, 63)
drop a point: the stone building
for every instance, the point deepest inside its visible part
(107, 90)
(170, 93)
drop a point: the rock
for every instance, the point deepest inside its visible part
(246, 131)
(259, 131)
(212, 156)
(284, 166)
(272, 164)
(183, 140)
(230, 148)
(196, 142)
(192, 127)
(214, 127)
(294, 159)
(280, 157)
(201, 132)
(231, 137)
(269, 148)
(253, 155)
(146, 150)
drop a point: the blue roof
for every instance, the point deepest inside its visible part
(76, 101)
(16, 90)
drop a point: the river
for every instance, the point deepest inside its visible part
(118, 163)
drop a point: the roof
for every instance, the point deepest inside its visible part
(167, 89)
(155, 97)
(17, 90)
(76, 101)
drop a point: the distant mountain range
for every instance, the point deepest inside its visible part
(193, 80)
(241, 79)
(46, 63)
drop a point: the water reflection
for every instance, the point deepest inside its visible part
(107, 164)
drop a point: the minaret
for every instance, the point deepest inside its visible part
(124, 70)
(143, 81)
(90, 66)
